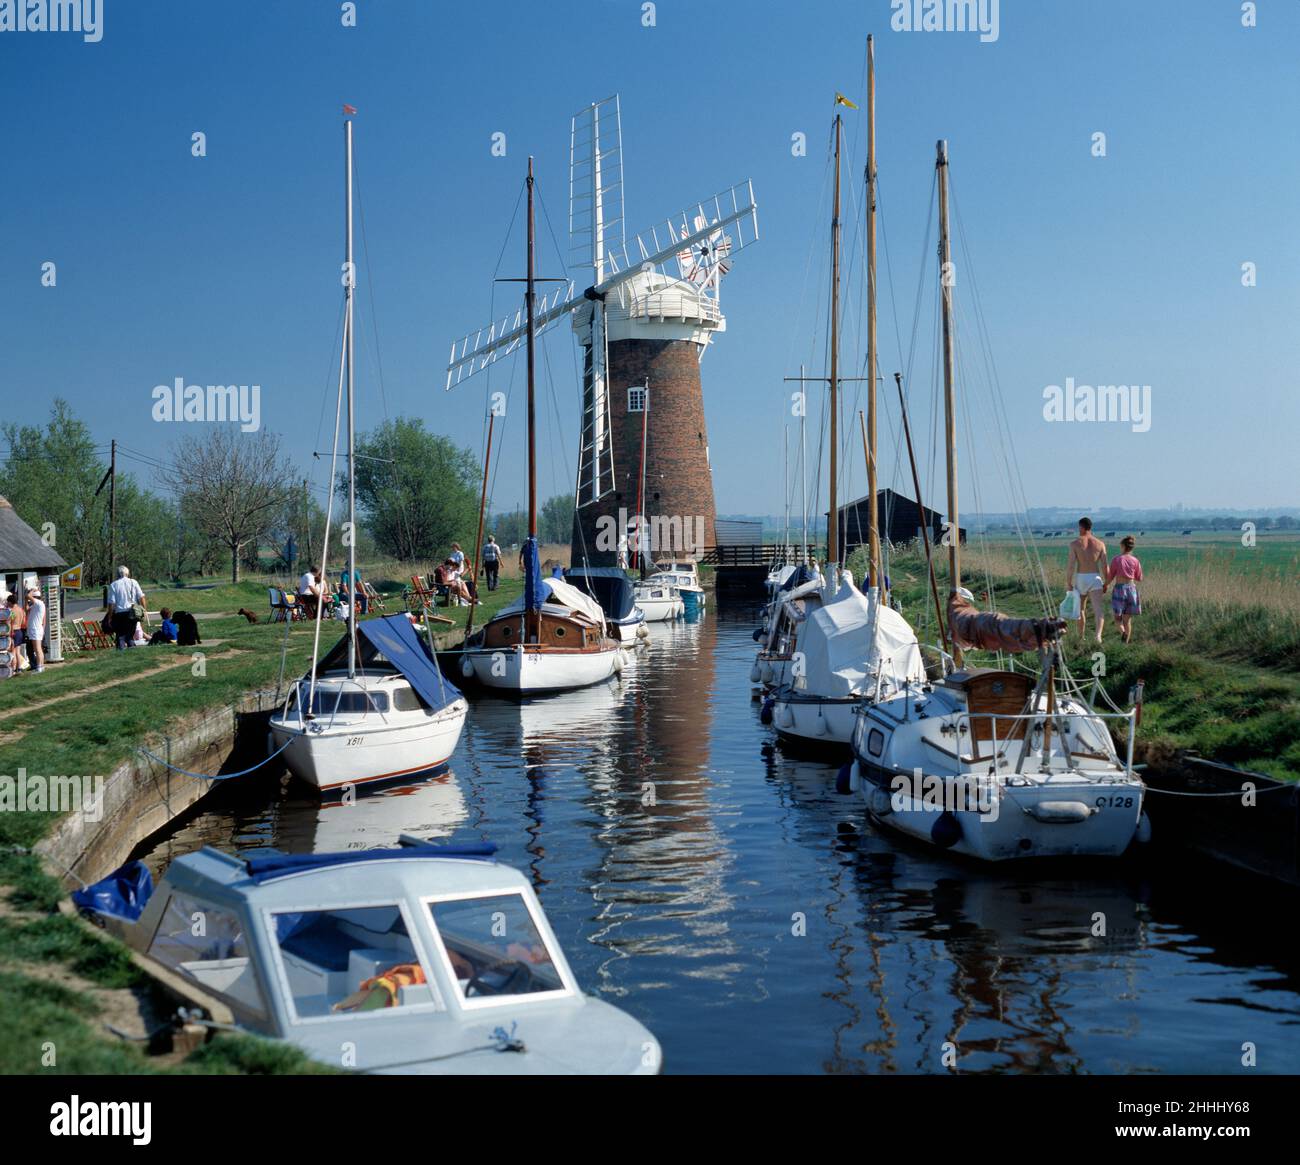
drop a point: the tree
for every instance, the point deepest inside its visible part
(232, 485)
(555, 522)
(50, 476)
(417, 491)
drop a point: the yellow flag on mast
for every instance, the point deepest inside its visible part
(840, 99)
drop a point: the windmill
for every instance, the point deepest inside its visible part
(644, 311)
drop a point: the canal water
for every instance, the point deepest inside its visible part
(722, 892)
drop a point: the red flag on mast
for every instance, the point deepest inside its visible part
(349, 109)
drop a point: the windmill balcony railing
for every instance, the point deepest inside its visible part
(674, 305)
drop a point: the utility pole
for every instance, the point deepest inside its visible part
(112, 509)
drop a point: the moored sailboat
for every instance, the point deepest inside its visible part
(554, 637)
(377, 708)
(996, 764)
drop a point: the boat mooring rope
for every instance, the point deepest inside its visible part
(218, 776)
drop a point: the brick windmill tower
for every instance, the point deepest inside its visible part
(647, 313)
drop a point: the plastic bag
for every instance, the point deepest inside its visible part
(1070, 606)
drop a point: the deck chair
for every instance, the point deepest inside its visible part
(283, 609)
(376, 599)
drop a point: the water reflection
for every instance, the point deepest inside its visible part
(724, 893)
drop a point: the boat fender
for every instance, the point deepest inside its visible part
(642, 632)
(820, 727)
(765, 713)
(758, 634)
(880, 803)
(618, 663)
(946, 831)
(784, 716)
(755, 675)
(466, 668)
(270, 747)
(844, 779)
(766, 673)
(1143, 835)
(1060, 812)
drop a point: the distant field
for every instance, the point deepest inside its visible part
(1277, 553)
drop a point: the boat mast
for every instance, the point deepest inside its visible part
(529, 294)
(877, 578)
(533, 617)
(352, 475)
(640, 489)
(803, 458)
(949, 407)
(833, 524)
(785, 487)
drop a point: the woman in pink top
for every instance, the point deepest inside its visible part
(1125, 571)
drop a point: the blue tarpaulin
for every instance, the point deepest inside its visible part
(534, 593)
(395, 639)
(278, 865)
(123, 894)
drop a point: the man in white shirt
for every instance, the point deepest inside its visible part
(309, 591)
(123, 595)
(35, 636)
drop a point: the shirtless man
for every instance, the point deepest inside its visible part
(1085, 571)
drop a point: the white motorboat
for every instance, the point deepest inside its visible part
(420, 959)
(658, 601)
(684, 577)
(389, 715)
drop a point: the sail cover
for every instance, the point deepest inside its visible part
(841, 657)
(534, 595)
(557, 597)
(393, 640)
(975, 630)
(608, 585)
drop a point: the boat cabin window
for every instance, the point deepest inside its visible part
(405, 699)
(328, 701)
(206, 943)
(339, 962)
(495, 948)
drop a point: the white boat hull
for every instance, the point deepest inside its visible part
(1104, 824)
(519, 670)
(815, 722)
(365, 750)
(661, 610)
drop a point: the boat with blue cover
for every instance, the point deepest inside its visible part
(419, 959)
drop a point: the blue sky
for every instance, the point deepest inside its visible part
(224, 269)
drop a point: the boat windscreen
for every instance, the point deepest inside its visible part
(494, 947)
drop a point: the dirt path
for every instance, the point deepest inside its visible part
(153, 671)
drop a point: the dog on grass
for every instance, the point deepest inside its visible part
(247, 615)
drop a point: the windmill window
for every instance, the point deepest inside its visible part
(636, 399)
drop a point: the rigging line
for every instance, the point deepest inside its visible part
(1010, 461)
(329, 373)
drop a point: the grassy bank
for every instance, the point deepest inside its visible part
(1218, 642)
(86, 717)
